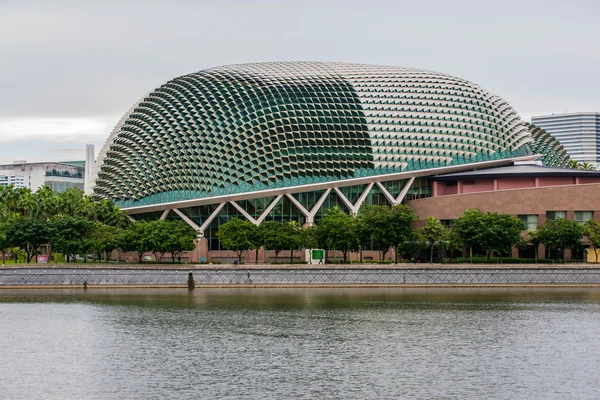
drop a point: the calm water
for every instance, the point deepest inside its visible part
(288, 343)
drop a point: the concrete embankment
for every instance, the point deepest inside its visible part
(298, 277)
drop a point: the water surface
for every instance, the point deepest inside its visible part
(300, 343)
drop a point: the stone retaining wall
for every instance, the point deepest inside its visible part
(299, 277)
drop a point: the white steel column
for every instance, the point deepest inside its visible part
(186, 219)
(243, 212)
(405, 190)
(211, 217)
(164, 214)
(268, 210)
(355, 207)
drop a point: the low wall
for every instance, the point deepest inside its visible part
(299, 277)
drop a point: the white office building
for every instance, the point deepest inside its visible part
(59, 176)
(579, 133)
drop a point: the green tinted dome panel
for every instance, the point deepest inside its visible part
(250, 127)
(552, 152)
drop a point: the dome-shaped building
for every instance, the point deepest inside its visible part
(288, 141)
(255, 127)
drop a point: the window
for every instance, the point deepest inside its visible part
(583, 216)
(554, 215)
(531, 221)
(447, 222)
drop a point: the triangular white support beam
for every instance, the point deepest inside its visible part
(310, 215)
(187, 220)
(268, 210)
(131, 219)
(211, 217)
(164, 214)
(405, 190)
(387, 194)
(262, 216)
(355, 207)
(244, 213)
(393, 201)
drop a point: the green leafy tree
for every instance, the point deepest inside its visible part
(71, 236)
(278, 236)
(574, 164)
(339, 231)
(533, 238)
(560, 234)
(591, 230)
(432, 234)
(587, 166)
(182, 239)
(398, 228)
(135, 238)
(292, 233)
(490, 232)
(370, 220)
(105, 239)
(503, 232)
(471, 228)
(238, 235)
(4, 243)
(28, 234)
(451, 241)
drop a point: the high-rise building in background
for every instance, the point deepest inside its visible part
(59, 176)
(579, 133)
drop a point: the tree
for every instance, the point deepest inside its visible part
(338, 230)
(504, 231)
(398, 227)
(587, 166)
(490, 232)
(432, 234)
(135, 238)
(181, 239)
(28, 234)
(591, 230)
(574, 164)
(371, 218)
(71, 236)
(451, 241)
(157, 235)
(534, 239)
(470, 227)
(4, 244)
(292, 233)
(278, 236)
(237, 235)
(560, 234)
(105, 239)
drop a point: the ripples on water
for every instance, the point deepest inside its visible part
(304, 343)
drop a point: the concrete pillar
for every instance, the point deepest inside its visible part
(495, 185)
(459, 188)
(436, 189)
(537, 182)
(514, 252)
(568, 254)
(201, 250)
(541, 251)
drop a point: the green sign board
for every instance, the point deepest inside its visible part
(318, 254)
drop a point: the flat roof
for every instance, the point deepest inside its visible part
(516, 171)
(37, 164)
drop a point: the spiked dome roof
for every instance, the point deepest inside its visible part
(250, 127)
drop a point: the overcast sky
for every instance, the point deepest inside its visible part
(70, 69)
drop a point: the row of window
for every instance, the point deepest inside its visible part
(532, 219)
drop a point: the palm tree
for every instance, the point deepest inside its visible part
(574, 164)
(587, 166)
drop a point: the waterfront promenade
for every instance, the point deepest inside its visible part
(261, 276)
